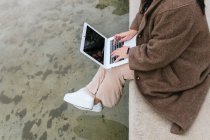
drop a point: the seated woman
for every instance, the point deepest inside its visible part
(170, 64)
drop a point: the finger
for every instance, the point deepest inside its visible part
(118, 58)
(114, 42)
(114, 53)
(116, 38)
(121, 35)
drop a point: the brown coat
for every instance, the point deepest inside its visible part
(172, 59)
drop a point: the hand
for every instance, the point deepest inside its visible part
(124, 36)
(120, 53)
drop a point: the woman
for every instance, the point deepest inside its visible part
(170, 64)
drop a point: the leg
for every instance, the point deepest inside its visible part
(106, 87)
(110, 89)
(96, 81)
(84, 98)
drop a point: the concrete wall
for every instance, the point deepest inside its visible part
(133, 9)
(208, 11)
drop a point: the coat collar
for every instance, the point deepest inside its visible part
(154, 4)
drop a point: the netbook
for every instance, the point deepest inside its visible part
(98, 48)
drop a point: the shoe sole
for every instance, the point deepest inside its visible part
(85, 109)
(88, 105)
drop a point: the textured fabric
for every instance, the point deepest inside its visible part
(146, 124)
(107, 84)
(172, 60)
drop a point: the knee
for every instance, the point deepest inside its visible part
(114, 72)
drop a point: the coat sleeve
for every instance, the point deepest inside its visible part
(172, 33)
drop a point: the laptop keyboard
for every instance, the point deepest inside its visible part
(114, 47)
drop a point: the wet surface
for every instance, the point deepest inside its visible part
(27, 134)
(21, 113)
(6, 100)
(121, 6)
(40, 61)
(99, 128)
(55, 113)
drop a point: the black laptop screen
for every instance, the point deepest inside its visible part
(94, 45)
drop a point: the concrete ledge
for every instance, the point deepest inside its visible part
(145, 124)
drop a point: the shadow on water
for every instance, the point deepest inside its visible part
(98, 128)
(121, 6)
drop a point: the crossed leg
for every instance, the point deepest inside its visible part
(107, 85)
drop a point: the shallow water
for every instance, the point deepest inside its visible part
(97, 127)
(120, 5)
(40, 62)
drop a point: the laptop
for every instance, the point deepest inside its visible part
(98, 48)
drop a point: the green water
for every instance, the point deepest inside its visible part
(121, 6)
(40, 61)
(97, 127)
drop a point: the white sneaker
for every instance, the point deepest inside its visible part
(96, 108)
(80, 98)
